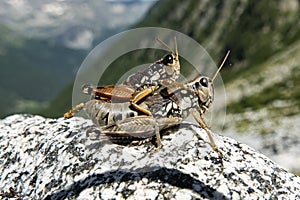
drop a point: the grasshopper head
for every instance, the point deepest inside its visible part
(204, 90)
(171, 61)
(172, 65)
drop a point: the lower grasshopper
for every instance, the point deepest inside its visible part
(169, 107)
(137, 86)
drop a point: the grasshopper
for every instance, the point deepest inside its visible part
(169, 107)
(137, 86)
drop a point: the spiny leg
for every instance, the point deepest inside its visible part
(157, 134)
(164, 123)
(158, 138)
(74, 110)
(201, 122)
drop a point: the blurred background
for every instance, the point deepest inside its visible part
(43, 43)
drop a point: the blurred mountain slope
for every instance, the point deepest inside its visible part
(43, 43)
(263, 108)
(252, 30)
(32, 69)
(75, 24)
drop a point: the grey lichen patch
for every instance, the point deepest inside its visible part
(54, 159)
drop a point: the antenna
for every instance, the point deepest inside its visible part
(175, 42)
(215, 76)
(164, 44)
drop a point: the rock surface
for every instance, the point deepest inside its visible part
(277, 139)
(54, 159)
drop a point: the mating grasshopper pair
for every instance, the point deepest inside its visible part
(148, 101)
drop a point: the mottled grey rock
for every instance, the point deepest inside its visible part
(54, 159)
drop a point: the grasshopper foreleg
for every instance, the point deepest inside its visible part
(203, 125)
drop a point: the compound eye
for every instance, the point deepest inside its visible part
(204, 82)
(168, 59)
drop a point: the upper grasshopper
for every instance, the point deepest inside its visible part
(139, 85)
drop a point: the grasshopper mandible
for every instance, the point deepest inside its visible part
(137, 86)
(169, 107)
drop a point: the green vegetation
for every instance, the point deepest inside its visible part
(61, 104)
(9, 38)
(288, 90)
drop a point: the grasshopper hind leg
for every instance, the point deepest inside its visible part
(138, 128)
(137, 97)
